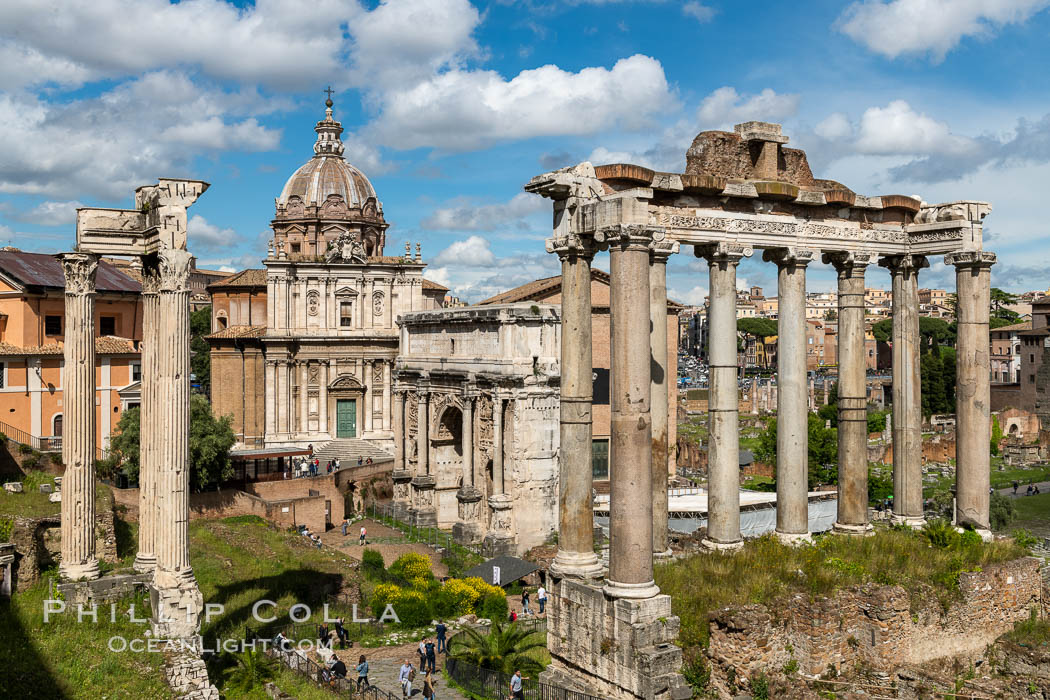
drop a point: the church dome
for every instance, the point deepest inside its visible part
(327, 173)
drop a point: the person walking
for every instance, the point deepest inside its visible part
(364, 533)
(516, 692)
(525, 602)
(362, 672)
(422, 651)
(541, 596)
(335, 464)
(441, 631)
(428, 685)
(346, 524)
(1016, 484)
(431, 656)
(405, 676)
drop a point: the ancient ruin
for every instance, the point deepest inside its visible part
(155, 232)
(741, 191)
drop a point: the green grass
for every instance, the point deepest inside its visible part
(765, 571)
(1032, 632)
(33, 504)
(1005, 478)
(759, 483)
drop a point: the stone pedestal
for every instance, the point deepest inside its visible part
(78, 443)
(469, 529)
(621, 649)
(402, 479)
(972, 389)
(907, 390)
(852, 515)
(424, 509)
(500, 537)
(792, 417)
(575, 555)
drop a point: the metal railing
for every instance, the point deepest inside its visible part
(432, 536)
(23, 438)
(494, 685)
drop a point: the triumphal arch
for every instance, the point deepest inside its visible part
(610, 631)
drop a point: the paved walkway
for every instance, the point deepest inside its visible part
(1044, 487)
(384, 664)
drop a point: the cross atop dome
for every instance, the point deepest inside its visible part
(328, 131)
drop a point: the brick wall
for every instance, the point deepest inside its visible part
(872, 625)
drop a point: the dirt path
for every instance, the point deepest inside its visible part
(350, 546)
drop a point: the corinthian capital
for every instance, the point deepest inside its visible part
(790, 257)
(79, 270)
(660, 251)
(629, 236)
(971, 258)
(716, 253)
(572, 246)
(173, 267)
(904, 263)
(845, 262)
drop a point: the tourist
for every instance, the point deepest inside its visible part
(405, 676)
(329, 467)
(338, 667)
(428, 685)
(340, 632)
(513, 617)
(323, 636)
(346, 524)
(360, 461)
(316, 540)
(362, 672)
(541, 596)
(311, 448)
(525, 602)
(1028, 491)
(362, 541)
(516, 692)
(1035, 490)
(422, 651)
(1015, 486)
(440, 630)
(368, 461)
(335, 464)
(431, 656)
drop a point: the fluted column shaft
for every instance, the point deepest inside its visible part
(498, 484)
(575, 555)
(422, 435)
(467, 441)
(146, 558)
(322, 399)
(658, 255)
(630, 449)
(399, 429)
(369, 390)
(972, 388)
(304, 398)
(723, 463)
(78, 439)
(907, 389)
(792, 416)
(173, 421)
(852, 516)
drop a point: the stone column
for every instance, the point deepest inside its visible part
(304, 398)
(78, 440)
(399, 429)
(423, 482)
(322, 399)
(723, 451)
(658, 254)
(468, 529)
(497, 443)
(972, 389)
(271, 399)
(401, 476)
(178, 600)
(907, 389)
(146, 558)
(792, 417)
(370, 389)
(467, 440)
(386, 393)
(575, 557)
(852, 517)
(630, 449)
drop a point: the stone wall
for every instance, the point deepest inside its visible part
(872, 625)
(38, 544)
(939, 448)
(187, 675)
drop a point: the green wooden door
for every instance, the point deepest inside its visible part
(346, 418)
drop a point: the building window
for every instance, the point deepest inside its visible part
(3, 375)
(52, 325)
(136, 372)
(1031, 379)
(107, 325)
(1031, 358)
(345, 314)
(600, 459)
(295, 248)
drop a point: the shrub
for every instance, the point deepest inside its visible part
(493, 606)
(411, 566)
(372, 565)
(941, 533)
(25, 449)
(1024, 538)
(760, 687)
(3, 439)
(1001, 511)
(455, 599)
(412, 609)
(7, 528)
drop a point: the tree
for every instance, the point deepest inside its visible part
(253, 669)
(831, 315)
(999, 299)
(823, 449)
(758, 327)
(930, 330)
(200, 357)
(505, 648)
(883, 330)
(997, 435)
(211, 439)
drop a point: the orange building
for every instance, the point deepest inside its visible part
(32, 329)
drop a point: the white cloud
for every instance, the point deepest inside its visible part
(206, 236)
(487, 217)
(48, 213)
(698, 11)
(689, 297)
(725, 107)
(473, 252)
(899, 129)
(835, 127)
(283, 43)
(929, 26)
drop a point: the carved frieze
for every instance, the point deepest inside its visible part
(378, 304)
(313, 302)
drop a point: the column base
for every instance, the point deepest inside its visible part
(579, 565)
(630, 591)
(177, 604)
(467, 533)
(913, 521)
(145, 563)
(664, 556)
(87, 571)
(794, 539)
(721, 547)
(424, 517)
(496, 544)
(865, 530)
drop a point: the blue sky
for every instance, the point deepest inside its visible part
(450, 106)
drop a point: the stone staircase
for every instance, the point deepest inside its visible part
(348, 450)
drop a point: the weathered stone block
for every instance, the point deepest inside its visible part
(13, 487)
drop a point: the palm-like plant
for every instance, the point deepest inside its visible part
(253, 669)
(505, 648)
